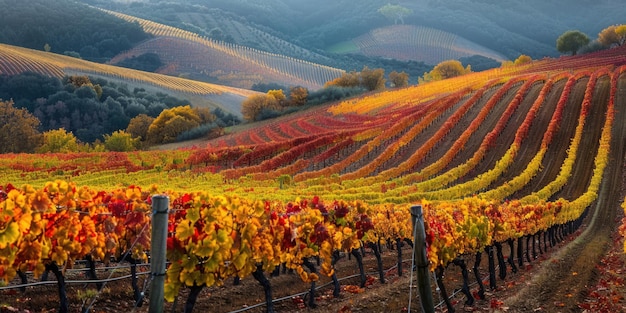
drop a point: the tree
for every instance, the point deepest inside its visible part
(370, 79)
(120, 141)
(345, 80)
(18, 129)
(205, 115)
(80, 81)
(395, 12)
(253, 105)
(399, 80)
(571, 41)
(444, 70)
(58, 141)
(613, 35)
(523, 59)
(279, 95)
(298, 96)
(139, 125)
(373, 79)
(171, 123)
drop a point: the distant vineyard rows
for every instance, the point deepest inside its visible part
(16, 60)
(285, 69)
(404, 42)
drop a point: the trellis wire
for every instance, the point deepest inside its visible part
(93, 300)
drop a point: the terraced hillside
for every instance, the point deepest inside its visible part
(516, 161)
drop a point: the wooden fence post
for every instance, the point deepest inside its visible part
(158, 247)
(421, 260)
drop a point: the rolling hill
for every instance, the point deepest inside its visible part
(515, 160)
(417, 43)
(16, 60)
(187, 53)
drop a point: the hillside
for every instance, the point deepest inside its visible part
(53, 25)
(416, 43)
(508, 27)
(185, 52)
(15, 60)
(524, 161)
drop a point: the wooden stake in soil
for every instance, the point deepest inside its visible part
(158, 247)
(421, 260)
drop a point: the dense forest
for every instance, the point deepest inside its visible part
(66, 27)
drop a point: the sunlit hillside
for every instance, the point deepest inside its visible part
(16, 60)
(187, 53)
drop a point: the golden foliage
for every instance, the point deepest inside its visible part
(139, 125)
(58, 140)
(171, 123)
(253, 105)
(18, 129)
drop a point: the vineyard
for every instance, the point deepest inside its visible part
(418, 43)
(186, 52)
(508, 165)
(245, 33)
(16, 60)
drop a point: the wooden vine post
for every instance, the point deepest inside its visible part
(421, 260)
(158, 247)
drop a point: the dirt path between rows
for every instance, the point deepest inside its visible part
(565, 279)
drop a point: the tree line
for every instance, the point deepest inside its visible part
(575, 41)
(67, 27)
(91, 110)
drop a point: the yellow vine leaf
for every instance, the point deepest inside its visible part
(210, 280)
(193, 215)
(171, 291)
(240, 261)
(190, 278)
(206, 248)
(184, 230)
(9, 235)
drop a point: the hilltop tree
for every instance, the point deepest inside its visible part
(399, 80)
(58, 141)
(613, 35)
(571, 41)
(18, 129)
(395, 12)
